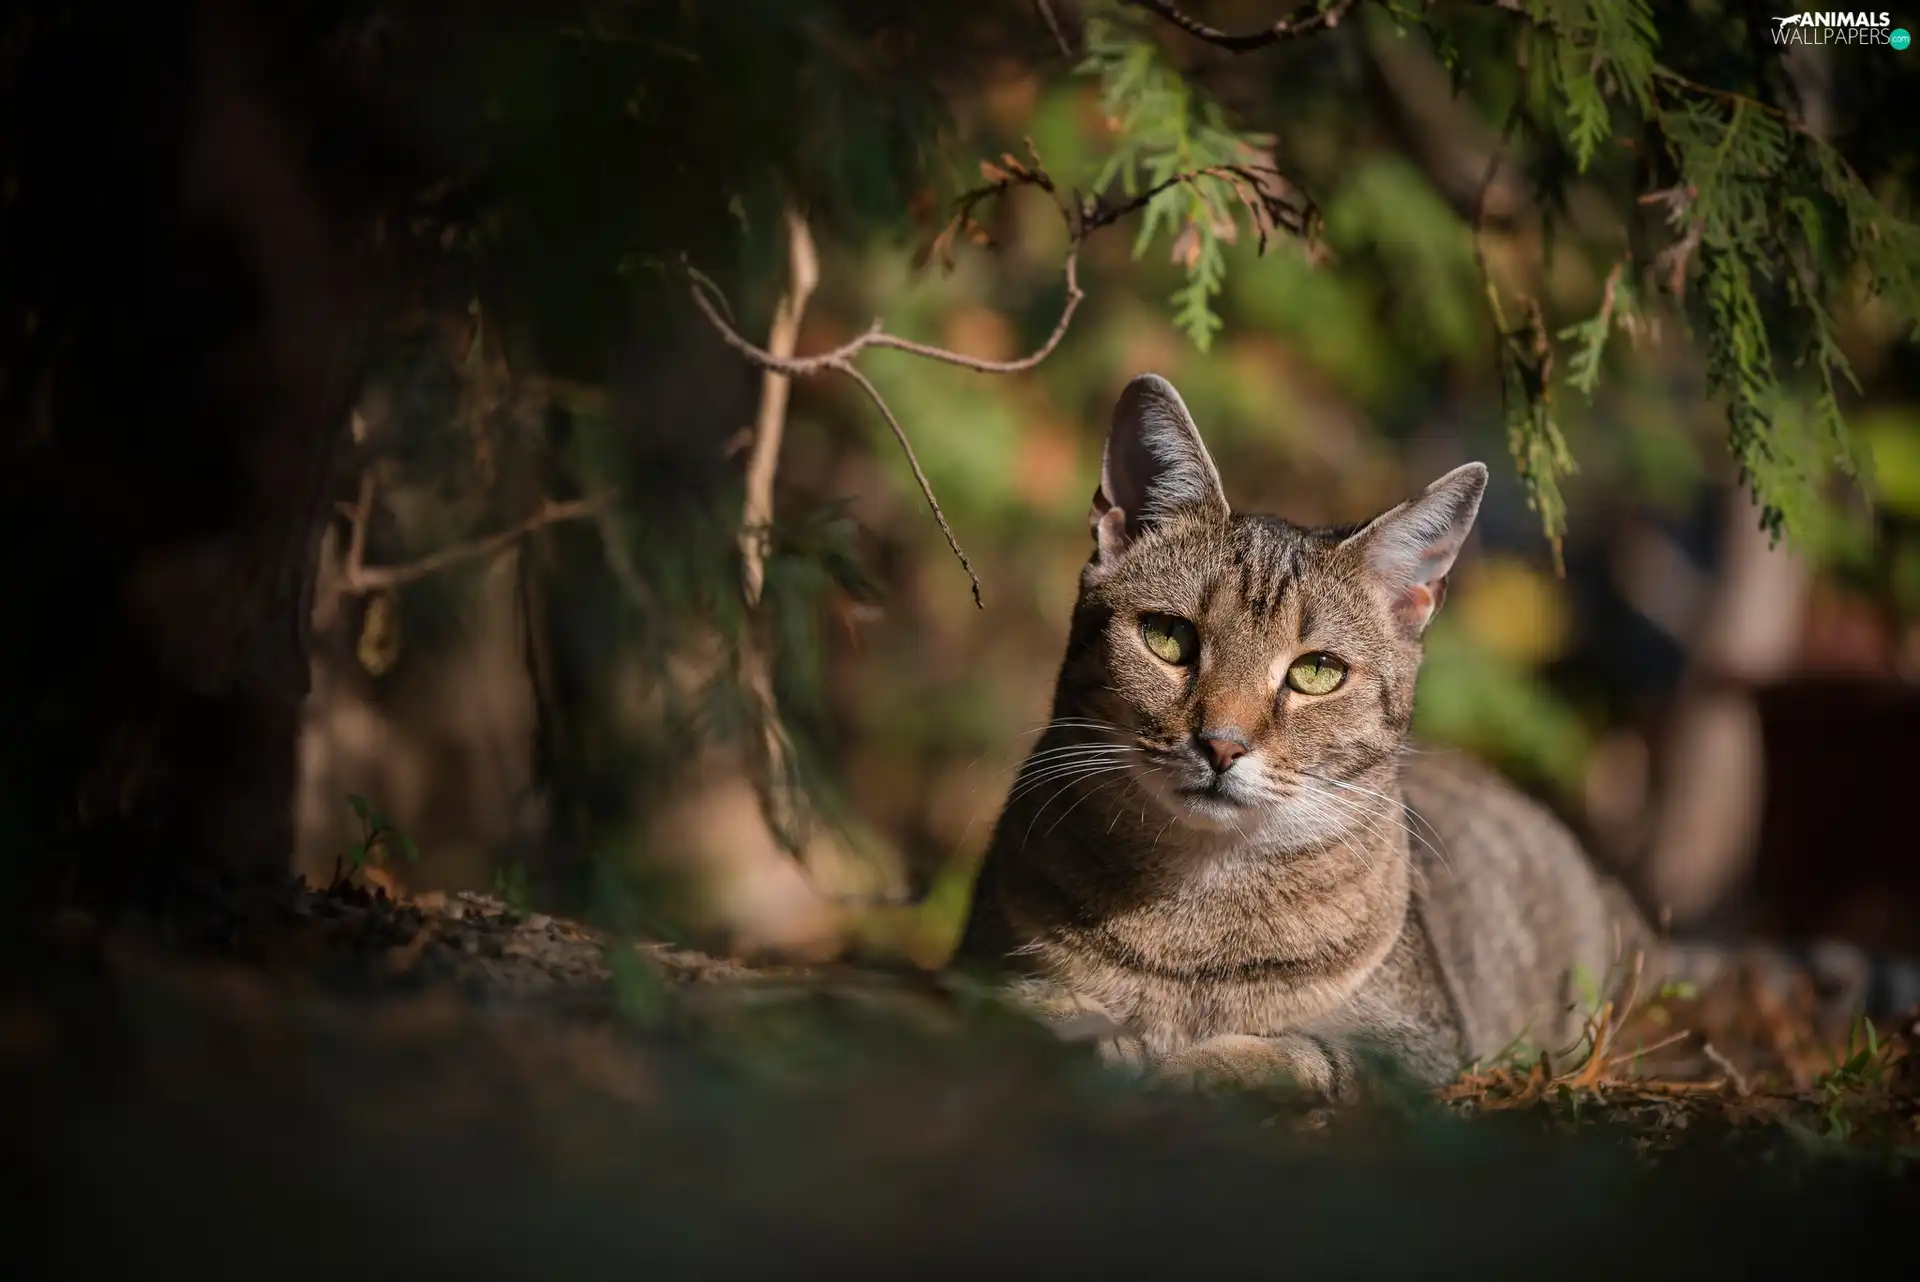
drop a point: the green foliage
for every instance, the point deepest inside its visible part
(1164, 128)
(1589, 337)
(1763, 229)
(1591, 53)
(1534, 435)
(1498, 707)
(510, 884)
(1758, 201)
(380, 838)
(1766, 226)
(640, 992)
(1860, 1071)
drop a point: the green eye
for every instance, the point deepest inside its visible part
(1316, 674)
(1171, 640)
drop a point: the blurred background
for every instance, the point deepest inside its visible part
(1725, 720)
(560, 697)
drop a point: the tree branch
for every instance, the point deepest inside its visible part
(874, 336)
(1272, 203)
(1478, 228)
(359, 579)
(756, 518)
(1045, 8)
(1304, 21)
(913, 461)
(773, 750)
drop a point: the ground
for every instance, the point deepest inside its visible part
(286, 1081)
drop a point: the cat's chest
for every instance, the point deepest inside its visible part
(1168, 1011)
(1228, 958)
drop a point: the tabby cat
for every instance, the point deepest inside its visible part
(1225, 851)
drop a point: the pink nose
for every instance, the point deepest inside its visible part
(1223, 748)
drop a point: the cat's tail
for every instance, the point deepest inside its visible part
(1846, 980)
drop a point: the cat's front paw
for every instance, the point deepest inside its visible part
(1238, 1061)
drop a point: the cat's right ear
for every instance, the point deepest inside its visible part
(1155, 467)
(1411, 549)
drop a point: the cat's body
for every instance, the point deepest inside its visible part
(1380, 944)
(1224, 843)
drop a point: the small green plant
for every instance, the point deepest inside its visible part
(1520, 1053)
(380, 837)
(510, 885)
(639, 992)
(1861, 1072)
(1587, 987)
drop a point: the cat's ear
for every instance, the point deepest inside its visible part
(1155, 466)
(1410, 549)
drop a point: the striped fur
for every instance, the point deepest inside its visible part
(1331, 894)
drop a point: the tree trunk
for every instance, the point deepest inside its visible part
(179, 317)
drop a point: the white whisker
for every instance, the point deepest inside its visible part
(1070, 809)
(1061, 791)
(1393, 803)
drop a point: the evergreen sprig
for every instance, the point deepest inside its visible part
(1767, 230)
(1163, 127)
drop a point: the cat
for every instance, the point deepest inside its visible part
(1225, 856)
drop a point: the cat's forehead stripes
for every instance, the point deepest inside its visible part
(1264, 563)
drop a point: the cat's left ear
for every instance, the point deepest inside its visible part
(1410, 549)
(1155, 467)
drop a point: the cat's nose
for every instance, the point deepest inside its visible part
(1222, 748)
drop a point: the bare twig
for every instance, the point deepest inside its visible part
(620, 564)
(756, 520)
(359, 517)
(1272, 203)
(840, 357)
(913, 461)
(1602, 1027)
(1047, 15)
(1610, 293)
(773, 749)
(359, 579)
(1727, 1066)
(1304, 21)
(1637, 1052)
(1673, 261)
(1495, 159)
(839, 360)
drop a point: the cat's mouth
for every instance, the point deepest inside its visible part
(1217, 792)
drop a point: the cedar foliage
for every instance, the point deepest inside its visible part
(1739, 219)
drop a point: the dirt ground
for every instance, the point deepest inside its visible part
(290, 1083)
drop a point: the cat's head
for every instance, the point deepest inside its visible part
(1264, 671)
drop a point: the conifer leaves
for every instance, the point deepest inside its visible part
(1767, 225)
(1886, 248)
(1782, 224)
(1592, 53)
(1534, 438)
(1766, 229)
(1619, 309)
(1163, 130)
